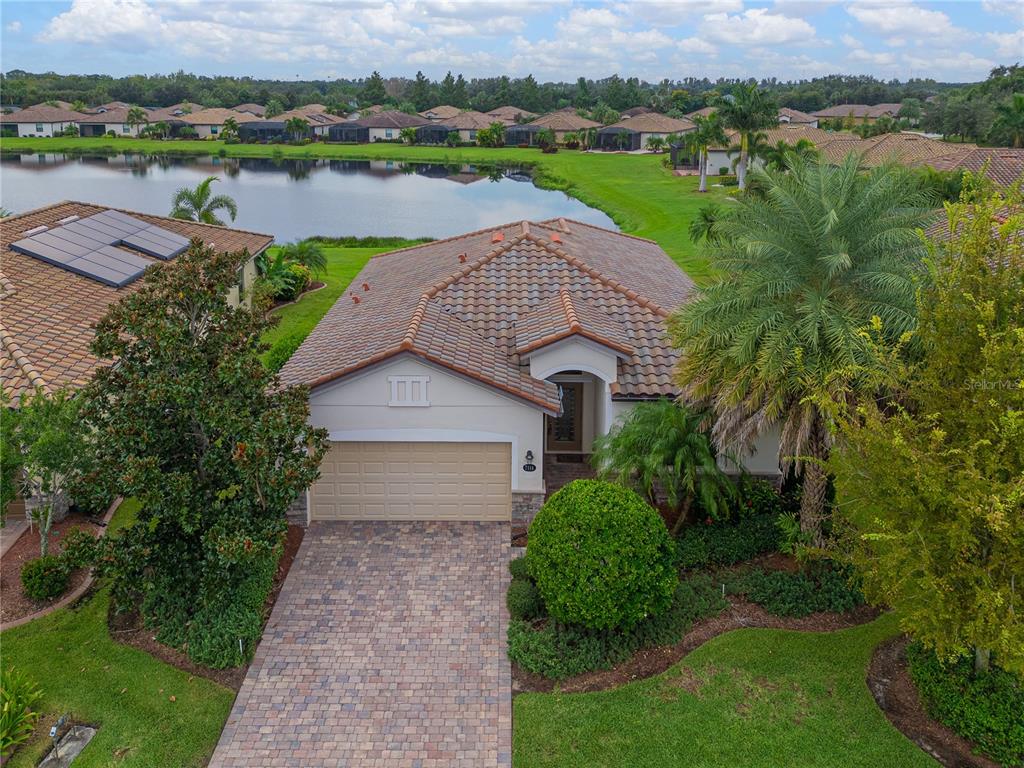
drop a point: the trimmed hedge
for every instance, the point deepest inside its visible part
(559, 650)
(824, 586)
(601, 556)
(45, 577)
(985, 708)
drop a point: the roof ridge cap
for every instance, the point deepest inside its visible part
(570, 311)
(409, 339)
(472, 266)
(577, 262)
(22, 361)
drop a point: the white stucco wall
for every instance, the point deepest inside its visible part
(202, 131)
(460, 410)
(47, 129)
(381, 134)
(574, 354)
(718, 158)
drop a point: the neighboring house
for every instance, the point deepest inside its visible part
(55, 103)
(40, 120)
(510, 115)
(702, 112)
(1003, 165)
(468, 123)
(173, 112)
(210, 122)
(253, 109)
(112, 119)
(266, 128)
(384, 126)
(50, 311)
(796, 117)
(561, 122)
(634, 111)
(443, 112)
(108, 106)
(902, 148)
(858, 113)
(632, 133)
(455, 376)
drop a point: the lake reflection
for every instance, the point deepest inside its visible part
(293, 198)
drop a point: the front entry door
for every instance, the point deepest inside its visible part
(565, 431)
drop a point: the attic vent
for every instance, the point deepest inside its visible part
(462, 258)
(35, 231)
(497, 237)
(69, 219)
(555, 238)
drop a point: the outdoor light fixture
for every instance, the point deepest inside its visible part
(529, 455)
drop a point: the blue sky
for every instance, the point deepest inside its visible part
(957, 40)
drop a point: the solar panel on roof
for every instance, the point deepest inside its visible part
(88, 246)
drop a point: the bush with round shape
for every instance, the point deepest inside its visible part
(523, 600)
(519, 568)
(601, 556)
(44, 578)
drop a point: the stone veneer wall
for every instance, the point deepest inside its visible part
(297, 511)
(524, 507)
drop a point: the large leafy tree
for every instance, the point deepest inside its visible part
(200, 204)
(373, 90)
(190, 423)
(1009, 122)
(932, 483)
(709, 133)
(747, 110)
(662, 447)
(802, 271)
(419, 93)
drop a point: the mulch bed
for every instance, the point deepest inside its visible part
(893, 689)
(14, 603)
(127, 627)
(316, 285)
(653, 661)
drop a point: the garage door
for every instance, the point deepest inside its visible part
(414, 481)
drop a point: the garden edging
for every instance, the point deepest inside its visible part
(71, 597)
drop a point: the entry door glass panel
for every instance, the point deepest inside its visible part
(564, 430)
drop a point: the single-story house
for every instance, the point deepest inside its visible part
(1003, 165)
(454, 377)
(796, 117)
(440, 113)
(561, 122)
(173, 112)
(54, 289)
(433, 133)
(253, 109)
(111, 119)
(108, 107)
(42, 121)
(633, 133)
(510, 115)
(702, 112)
(858, 113)
(468, 123)
(210, 122)
(719, 157)
(383, 126)
(634, 111)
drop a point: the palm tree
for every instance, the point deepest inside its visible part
(199, 205)
(308, 253)
(703, 225)
(775, 156)
(747, 110)
(661, 446)
(296, 126)
(229, 130)
(655, 144)
(1010, 119)
(709, 133)
(162, 129)
(137, 116)
(777, 338)
(408, 135)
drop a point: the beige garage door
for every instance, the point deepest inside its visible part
(414, 481)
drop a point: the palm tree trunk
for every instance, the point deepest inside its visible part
(741, 167)
(812, 503)
(982, 657)
(703, 164)
(684, 513)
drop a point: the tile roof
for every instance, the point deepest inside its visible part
(470, 120)
(653, 122)
(634, 111)
(492, 291)
(48, 315)
(443, 112)
(1003, 165)
(174, 111)
(795, 116)
(391, 119)
(216, 116)
(256, 109)
(858, 110)
(564, 121)
(702, 112)
(510, 114)
(42, 114)
(112, 115)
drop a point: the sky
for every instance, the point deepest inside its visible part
(956, 40)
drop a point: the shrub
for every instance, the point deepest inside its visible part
(983, 707)
(825, 586)
(559, 651)
(283, 349)
(519, 568)
(18, 695)
(224, 631)
(300, 279)
(44, 578)
(724, 543)
(523, 600)
(601, 556)
(79, 549)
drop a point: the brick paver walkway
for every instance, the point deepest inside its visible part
(386, 648)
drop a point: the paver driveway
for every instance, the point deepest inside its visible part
(386, 648)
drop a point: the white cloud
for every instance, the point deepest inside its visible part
(756, 26)
(850, 41)
(900, 20)
(803, 7)
(14, 26)
(1012, 8)
(672, 13)
(879, 58)
(99, 21)
(1009, 45)
(697, 45)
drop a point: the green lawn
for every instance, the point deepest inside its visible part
(640, 195)
(750, 698)
(298, 319)
(123, 691)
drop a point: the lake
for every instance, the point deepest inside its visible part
(292, 198)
